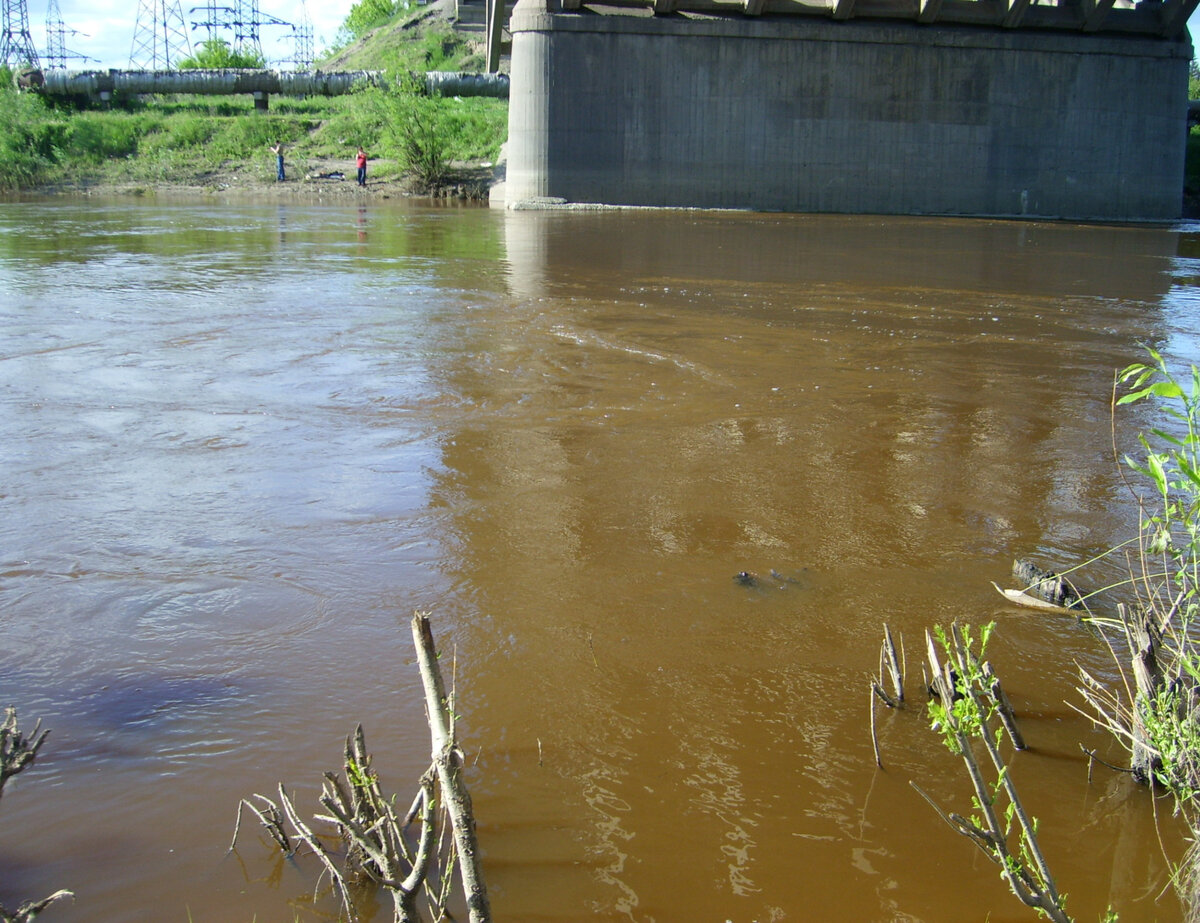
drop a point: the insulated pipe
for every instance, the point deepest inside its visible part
(103, 84)
(459, 83)
(259, 83)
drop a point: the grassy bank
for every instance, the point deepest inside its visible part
(161, 139)
(164, 139)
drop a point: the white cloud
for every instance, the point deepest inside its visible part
(107, 27)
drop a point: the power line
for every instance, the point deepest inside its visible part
(243, 20)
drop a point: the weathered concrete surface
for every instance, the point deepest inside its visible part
(807, 115)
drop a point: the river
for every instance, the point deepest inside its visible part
(242, 443)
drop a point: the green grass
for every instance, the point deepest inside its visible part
(176, 138)
(412, 41)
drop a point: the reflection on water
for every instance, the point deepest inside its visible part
(242, 444)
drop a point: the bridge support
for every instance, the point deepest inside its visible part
(814, 115)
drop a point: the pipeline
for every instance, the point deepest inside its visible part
(259, 83)
(459, 83)
(105, 85)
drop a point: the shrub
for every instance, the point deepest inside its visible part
(216, 53)
(418, 133)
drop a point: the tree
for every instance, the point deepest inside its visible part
(366, 15)
(216, 54)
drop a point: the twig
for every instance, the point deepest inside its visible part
(1003, 707)
(321, 852)
(893, 663)
(1093, 758)
(269, 817)
(874, 738)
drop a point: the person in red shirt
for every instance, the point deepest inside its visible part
(361, 163)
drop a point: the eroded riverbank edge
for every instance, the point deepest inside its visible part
(312, 181)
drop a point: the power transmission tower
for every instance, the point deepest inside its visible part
(160, 39)
(57, 52)
(16, 44)
(243, 19)
(304, 40)
(214, 18)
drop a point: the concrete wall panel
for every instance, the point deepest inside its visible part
(798, 114)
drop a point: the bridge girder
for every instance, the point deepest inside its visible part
(1163, 18)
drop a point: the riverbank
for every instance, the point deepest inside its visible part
(311, 179)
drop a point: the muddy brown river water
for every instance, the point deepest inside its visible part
(241, 444)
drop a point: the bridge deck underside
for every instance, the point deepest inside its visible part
(1165, 18)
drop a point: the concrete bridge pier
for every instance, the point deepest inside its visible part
(812, 114)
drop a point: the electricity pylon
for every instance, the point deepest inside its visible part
(57, 52)
(160, 40)
(16, 44)
(304, 40)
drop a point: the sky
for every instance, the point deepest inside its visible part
(106, 27)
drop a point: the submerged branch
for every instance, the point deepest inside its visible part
(17, 750)
(447, 760)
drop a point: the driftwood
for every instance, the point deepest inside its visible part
(448, 761)
(1046, 585)
(376, 836)
(1029, 602)
(17, 752)
(30, 909)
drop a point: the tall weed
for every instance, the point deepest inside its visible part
(31, 137)
(360, 118)
(96, 136)
(248, 136)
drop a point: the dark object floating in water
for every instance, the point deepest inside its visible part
(1045, 585)
(773, 580)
